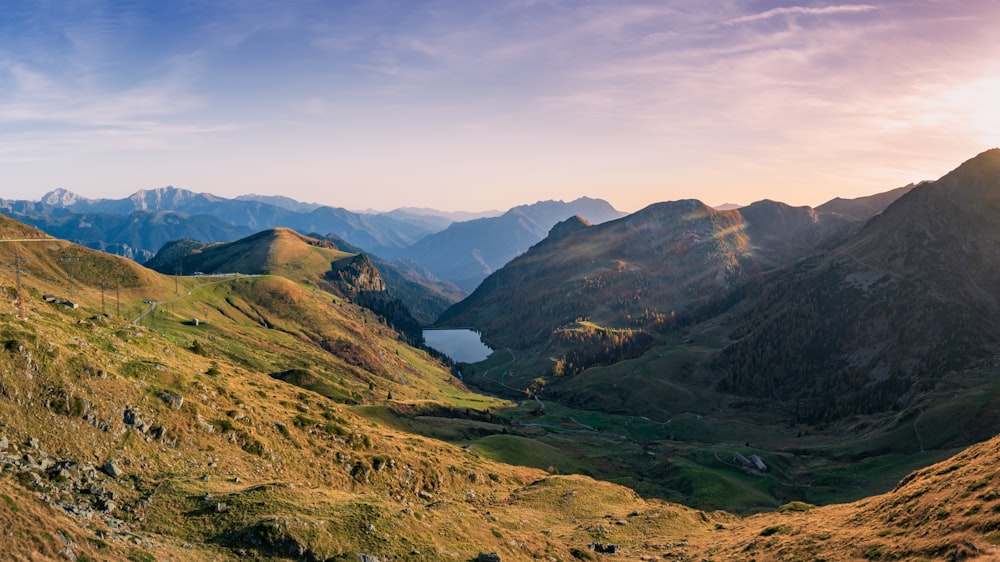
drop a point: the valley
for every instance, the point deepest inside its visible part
(683, 383)
(806, 364)
(679, 443)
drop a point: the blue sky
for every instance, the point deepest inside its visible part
(486, 105)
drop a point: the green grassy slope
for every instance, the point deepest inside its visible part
(258, 432)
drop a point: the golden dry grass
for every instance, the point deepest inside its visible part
(301, 472)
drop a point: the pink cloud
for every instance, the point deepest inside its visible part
(803, 11)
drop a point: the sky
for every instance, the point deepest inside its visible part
(461, 105)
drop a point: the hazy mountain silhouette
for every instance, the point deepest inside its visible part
(466, 252)
(375, 233)
(136, 235)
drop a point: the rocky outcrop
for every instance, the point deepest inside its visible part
(568, 226)
(82, 489)
(359, 275)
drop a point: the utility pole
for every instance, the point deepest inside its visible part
(69, 262)
(17, 276)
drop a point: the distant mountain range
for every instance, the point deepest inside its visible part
(376, 233)
(434, 219)
(281, 201)
(466, 252)
(415, 246)
(130, 235)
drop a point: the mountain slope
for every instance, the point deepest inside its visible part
(610, 274)
(781, 233)
(310, 261)
(425, 295)
(946, 511)
(649, 271)
(875, 351)
(167, 442)
(863, 208)
(865, 326)
(279, 251)
(466, 252)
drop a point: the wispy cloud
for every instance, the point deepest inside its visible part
(803, 11)
(576, 92)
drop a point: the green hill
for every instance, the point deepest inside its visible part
(266, 430)
(313, 262)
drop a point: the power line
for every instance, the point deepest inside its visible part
(69, 262)
(16, 266)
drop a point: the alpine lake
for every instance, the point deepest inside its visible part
(462, 345)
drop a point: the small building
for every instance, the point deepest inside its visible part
(742, 460)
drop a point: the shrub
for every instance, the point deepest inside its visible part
(796, 506)
(773, 530)
(198, 348)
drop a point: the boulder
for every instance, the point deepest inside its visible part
(111, 469)
(130, 416)
(173, 399)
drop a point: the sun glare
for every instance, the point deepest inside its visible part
(975, 104)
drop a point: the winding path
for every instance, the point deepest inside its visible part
(499, 381)
(154, 304)
(32, 240)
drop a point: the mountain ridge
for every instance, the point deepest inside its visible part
(373, 232)
(394, 235)
(649, 254)
(905, 297)
(466, 252)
